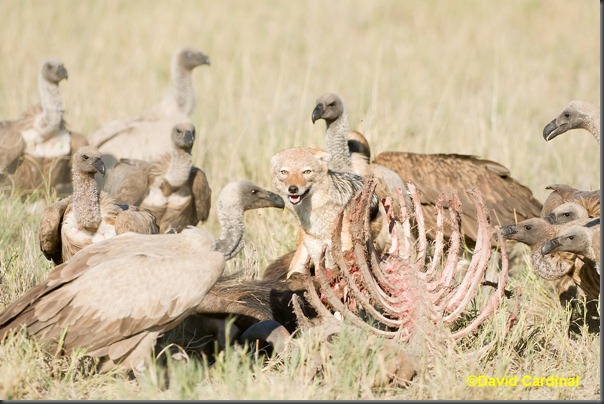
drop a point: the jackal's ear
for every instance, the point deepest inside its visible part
(322, 156)
(274, 160)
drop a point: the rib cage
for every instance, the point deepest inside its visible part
(391, 294)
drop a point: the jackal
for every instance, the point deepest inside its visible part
(316, 195)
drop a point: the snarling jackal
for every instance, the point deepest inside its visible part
(316, 195)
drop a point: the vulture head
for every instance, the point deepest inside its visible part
(248, 196)
(183, 135)
(576, 114)
(329, 107)
(189, 58)
(567, 212)
(53, 71)
(575, 239)
(88, 160)
(529, 231)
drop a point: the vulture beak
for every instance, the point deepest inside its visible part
(550, 218)
(204, 60)
(549, 132)
(99, 165)
(317, 113)
(508, 230)
(189, 138)
(63, 72)
(276, 200)
(549, 246)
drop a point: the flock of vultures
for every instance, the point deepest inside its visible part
(132, 260)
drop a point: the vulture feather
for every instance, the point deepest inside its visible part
(35, 149)
(578, 114)
(116, 297)
(144, 137)
(176, 192)
(88, 216)
(562, 193)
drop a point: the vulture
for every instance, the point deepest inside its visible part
(562, 193)
(35, 149)
(116, 297)
(352, 156)
(583, 240)
(535, 232)
(567, 212)
(88, 215)
(578, 114)
(176, 192)
(144, 137)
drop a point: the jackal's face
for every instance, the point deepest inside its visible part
(296, 171)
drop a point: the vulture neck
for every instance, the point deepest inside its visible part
(230, 216)
(180, 168)
(184, 92)
(549, 267)
(49, 122)
(592, 123)
(86, 204)
(336, 137)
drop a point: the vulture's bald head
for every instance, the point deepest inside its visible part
(53, 70)
(87, 160)
(328, 107)
(188, 58)
(183, 135)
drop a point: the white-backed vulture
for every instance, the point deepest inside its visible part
(333, 111)
(176, 192)
(567, 212)
(118, 295)
(42, 155)
(578, 114)
(535, 232)
(144, 136)
(583, 240)
(562, 193)
(88, 215)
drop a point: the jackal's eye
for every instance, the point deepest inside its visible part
(307, 171)
(283, 172)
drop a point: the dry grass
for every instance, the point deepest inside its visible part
(463, 76)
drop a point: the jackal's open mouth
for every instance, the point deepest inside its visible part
(296, 199)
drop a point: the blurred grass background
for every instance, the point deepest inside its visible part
(434, 76)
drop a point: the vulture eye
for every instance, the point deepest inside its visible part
(178, 131)
(571, 237)
(332, 104)
(528, 227)
(85, 157)
(189, 54)
(254, 191)
(567, 115)
(567, 214)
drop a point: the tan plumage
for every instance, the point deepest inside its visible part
(144, 136)
(117, 296)
(562, 193)
(87, 216)
(578, 114)
(507, 200)
(42, 157)
(177, 193)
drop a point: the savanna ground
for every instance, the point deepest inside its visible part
(460, 76)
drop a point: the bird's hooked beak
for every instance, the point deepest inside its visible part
(276, 200)
(62, 71)
(508, 230)
(549, 246)
(550, 218)
(189, 138)
(550, 132)
(317, 113)
(99, 165)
